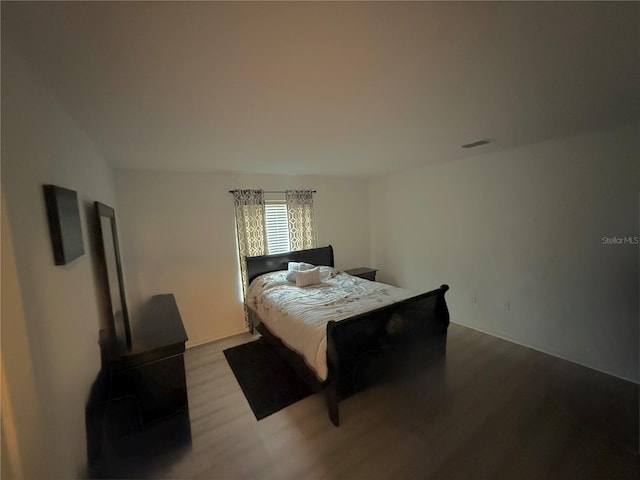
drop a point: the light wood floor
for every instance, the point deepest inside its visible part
(492, 410)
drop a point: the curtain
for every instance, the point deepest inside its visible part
(250, 230)
(302, 222)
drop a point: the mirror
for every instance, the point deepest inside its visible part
(109, 254)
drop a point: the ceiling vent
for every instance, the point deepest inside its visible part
(476, 144)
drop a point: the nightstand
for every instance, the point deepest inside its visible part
(363, 272)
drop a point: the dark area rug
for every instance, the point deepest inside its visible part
(267, 381)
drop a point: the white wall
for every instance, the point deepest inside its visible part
(518, 237)
(177, 234)
(50, 314)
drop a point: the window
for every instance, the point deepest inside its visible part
(277, 226)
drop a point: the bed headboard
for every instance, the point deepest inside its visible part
(271, 263)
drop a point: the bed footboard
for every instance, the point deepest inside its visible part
(406, 326)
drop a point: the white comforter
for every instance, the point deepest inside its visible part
(299, 315)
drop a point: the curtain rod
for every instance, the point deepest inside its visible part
(272, 191)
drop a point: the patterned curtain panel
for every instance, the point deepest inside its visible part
(251, 231)
(302, 221)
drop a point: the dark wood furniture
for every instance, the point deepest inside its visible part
(363, 272)
(143, 358)
(152, 370)
(142, 380)
(140, 394)
(413, 325)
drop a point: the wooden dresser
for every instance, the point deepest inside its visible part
(152, 370)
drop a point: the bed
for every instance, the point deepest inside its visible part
(330, 331)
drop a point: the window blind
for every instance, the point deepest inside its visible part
(277, 227)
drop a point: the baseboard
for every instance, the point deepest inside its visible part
(214, 339)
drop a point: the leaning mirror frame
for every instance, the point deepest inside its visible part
(111, 266)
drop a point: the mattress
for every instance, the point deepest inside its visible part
(299, 315)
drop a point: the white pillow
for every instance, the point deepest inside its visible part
(294, 267)
(307, 277)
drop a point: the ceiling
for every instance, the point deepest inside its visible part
(351, 89)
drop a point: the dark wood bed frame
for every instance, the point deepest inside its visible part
(412, 325)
